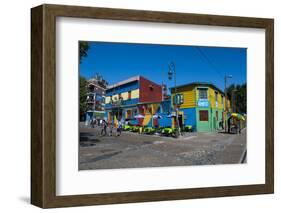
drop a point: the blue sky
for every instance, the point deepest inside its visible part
(119, 61)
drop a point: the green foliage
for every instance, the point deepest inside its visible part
(82, 95)
(135, 128)
(188, 128)
(238, 95)
(149, 130)
(127, 128)
(83, 49)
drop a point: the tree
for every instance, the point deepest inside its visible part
(82, 95)
(83, 49)
(238, 95)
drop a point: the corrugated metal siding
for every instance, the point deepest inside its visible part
(149, 91)
(124, 103)
(190, 117)
(135, 93)
(188, 96)
(212, 99)
(123, 88)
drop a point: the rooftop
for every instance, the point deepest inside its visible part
(209, 84)
(129, 80)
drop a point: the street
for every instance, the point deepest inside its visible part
(133, 150)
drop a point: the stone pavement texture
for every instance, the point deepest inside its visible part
(133, 150)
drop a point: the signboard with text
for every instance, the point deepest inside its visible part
(203, 103)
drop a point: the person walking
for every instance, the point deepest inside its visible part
(111, 126)
(93, 122)
(104, 127)
(239, 127)
(228, 124)
(119, 128)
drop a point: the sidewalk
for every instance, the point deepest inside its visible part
(235, 150)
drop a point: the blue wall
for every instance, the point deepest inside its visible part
(165, 121)
(124, 103)
(190, 117)
(166, 106)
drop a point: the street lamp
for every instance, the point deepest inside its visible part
(171, 75)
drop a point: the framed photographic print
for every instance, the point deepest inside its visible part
(136, 106)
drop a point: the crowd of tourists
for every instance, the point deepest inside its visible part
(108, 128)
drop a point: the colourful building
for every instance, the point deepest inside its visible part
(203, 106)
(136, 100)
(96, 87)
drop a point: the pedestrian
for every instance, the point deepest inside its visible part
(119, 128)
(111, 126)
(221, 125)
(239, 127)
(228, 124)
(93, 122)
(104, 127)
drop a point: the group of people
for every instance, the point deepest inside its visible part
(233, 123)
(105, 126)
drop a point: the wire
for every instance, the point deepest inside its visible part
(209, 61)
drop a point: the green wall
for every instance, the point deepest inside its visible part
(212, 124)
(203, 126)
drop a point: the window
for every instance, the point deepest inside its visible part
(216, 96)
(203, 115)
(217, 115)
(202, 93)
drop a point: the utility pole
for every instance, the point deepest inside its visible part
(171, 72)
(94, 107)
(225, 100)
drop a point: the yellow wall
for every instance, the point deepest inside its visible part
(135, 93)
(188, 96)
(107, 99)
(149, 113)
(228, 104)
(212, 99)
(124, 95)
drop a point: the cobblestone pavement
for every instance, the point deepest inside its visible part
(133, 150)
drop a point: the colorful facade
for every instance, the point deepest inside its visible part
(203, 106)
(140, 102)
(96, 87)
(135, 100)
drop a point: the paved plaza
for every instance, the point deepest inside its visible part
(133, 150)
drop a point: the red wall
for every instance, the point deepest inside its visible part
(147, 94)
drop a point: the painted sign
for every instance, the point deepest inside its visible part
(203, 103)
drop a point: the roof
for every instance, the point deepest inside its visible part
(129, 80)
(209, 84)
